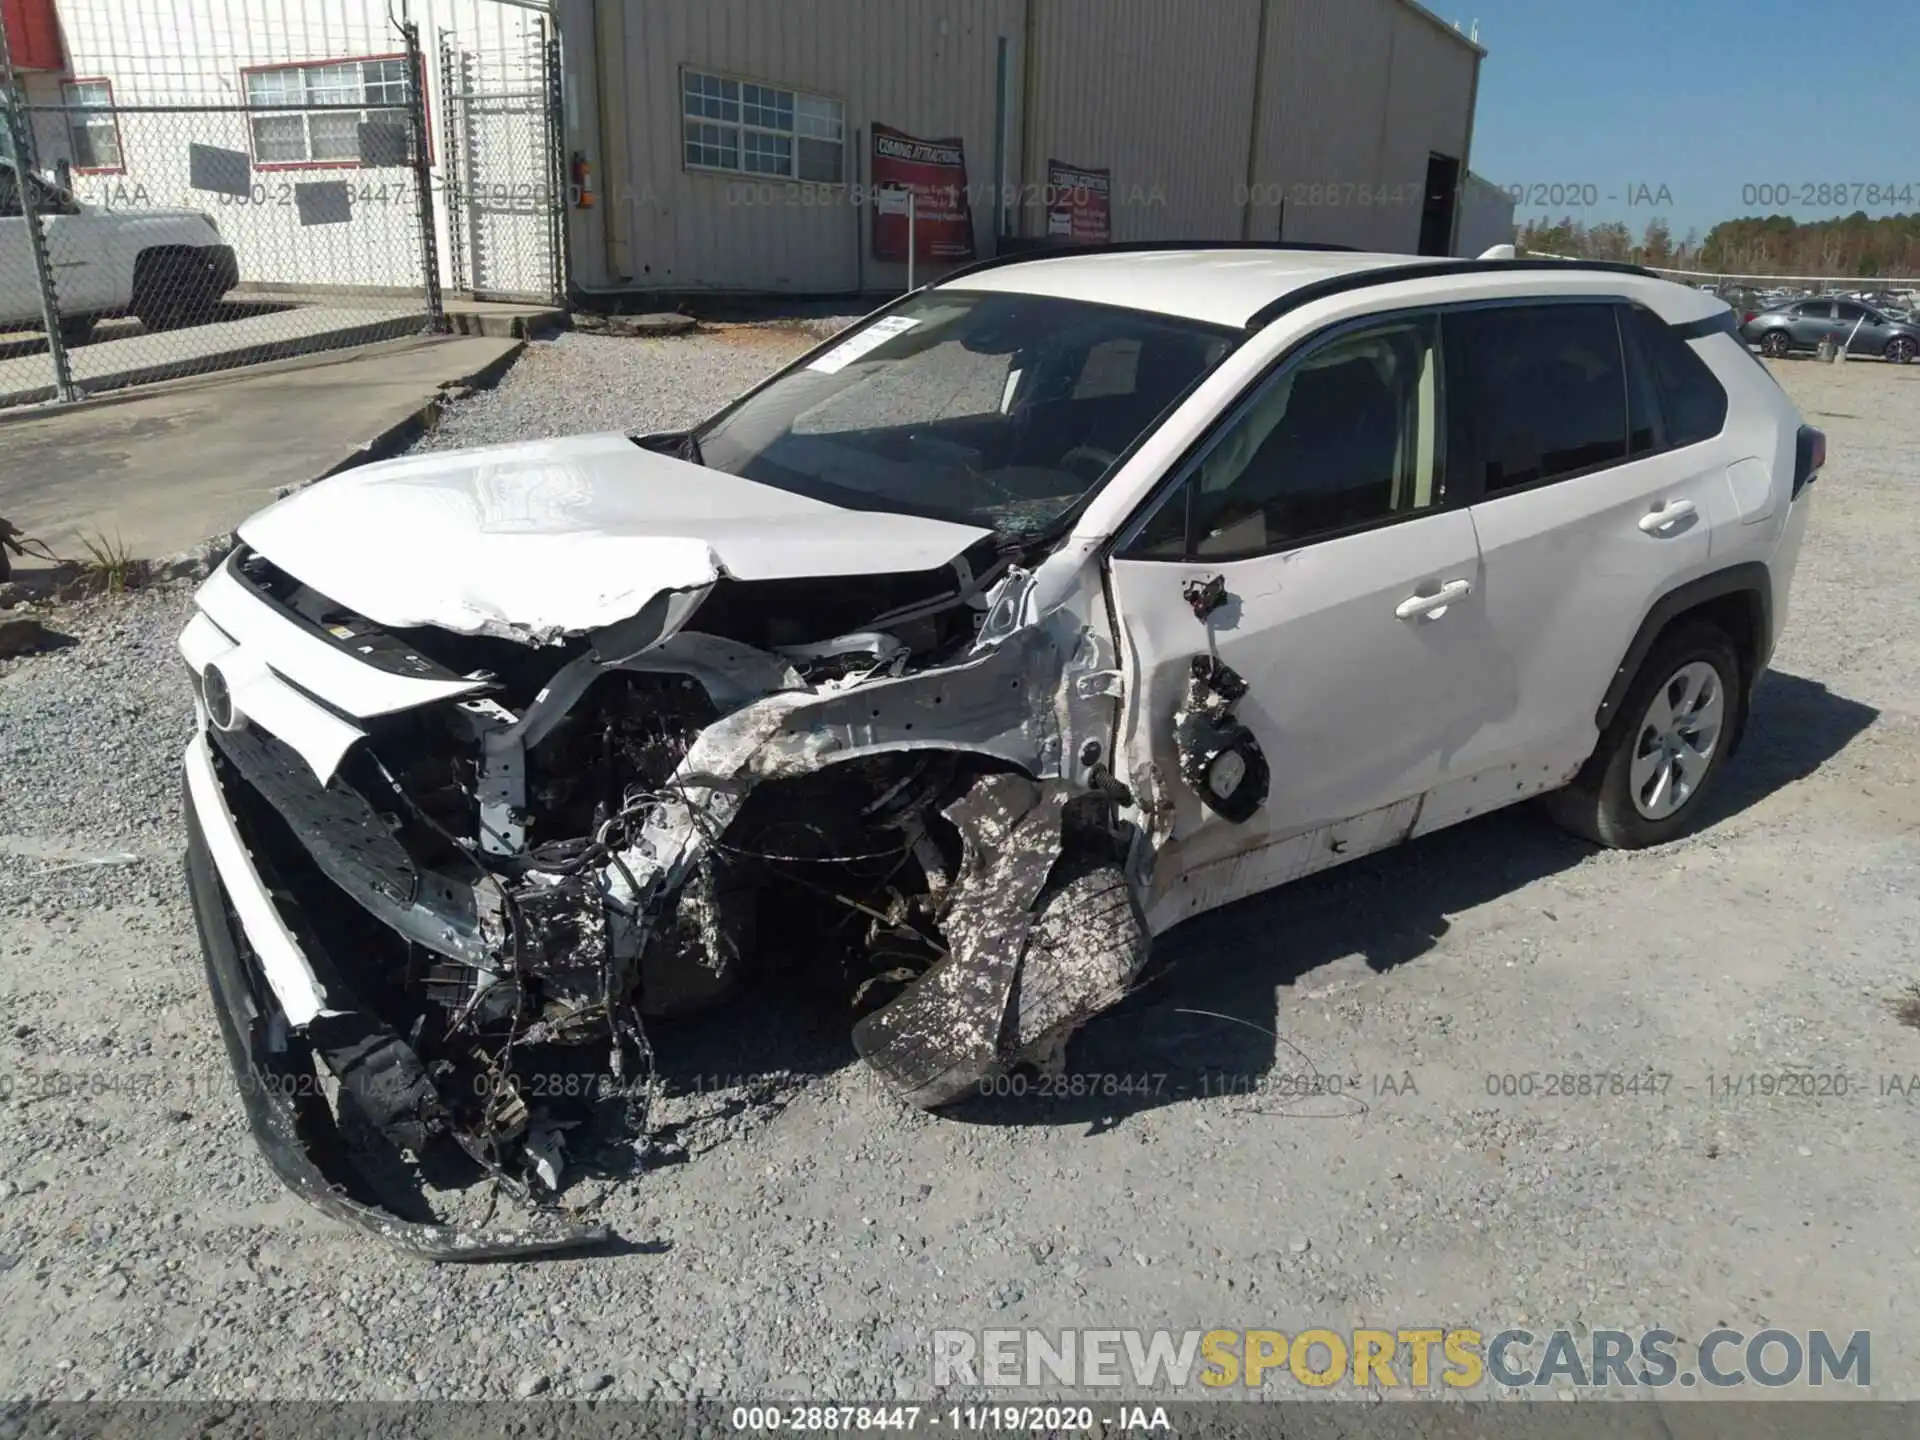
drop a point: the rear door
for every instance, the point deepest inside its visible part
(1858, 328)
(1312, 547)
(1812, 322)
(1593, 497)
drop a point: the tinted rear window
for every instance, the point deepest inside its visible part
(1691, 398)
(1540, 392)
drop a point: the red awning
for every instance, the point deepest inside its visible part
(33, 34)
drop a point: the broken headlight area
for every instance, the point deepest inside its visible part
(502, 892)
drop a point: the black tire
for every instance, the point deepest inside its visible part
(76, 329)
(169, 293)
(1599, 805)
(1902, 349)
(1776, 344)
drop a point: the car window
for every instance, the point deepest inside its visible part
(1691, 398)
(1850, 313)
(996, 410)
(1815, 310)
(1342, 437)
(1540, 392)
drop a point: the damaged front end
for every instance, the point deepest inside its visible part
(450, 879)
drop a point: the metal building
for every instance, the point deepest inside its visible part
(769, 145)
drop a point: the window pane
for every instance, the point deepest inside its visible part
(1644, 419)
(96, 145)
(958, 405)
(273, 87)
(822, 119)
(1690, 394)
(385, 82)
(821, 160)
(89, 92)
(1109, 370)
(764, 154)
(335, 135)
(1343, 437)
(1545, 387)
(712, 145)
(761, 105)
(279, 139)
(332, 84)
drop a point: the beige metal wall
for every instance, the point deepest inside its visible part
(1356, 94)
(1160, 94)
(927, 68)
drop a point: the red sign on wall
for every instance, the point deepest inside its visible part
(934, 172)
(1079, 204)
(33, 34)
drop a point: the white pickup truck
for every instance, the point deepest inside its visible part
(166, 266)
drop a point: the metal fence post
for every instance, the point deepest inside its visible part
(423, 179)
(557, 232)
(19, 151)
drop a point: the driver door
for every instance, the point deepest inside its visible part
(1313, 548)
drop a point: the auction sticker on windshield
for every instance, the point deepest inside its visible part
(871, 338)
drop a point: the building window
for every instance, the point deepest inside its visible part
(757, 129)
(322, 137)
(92, 140)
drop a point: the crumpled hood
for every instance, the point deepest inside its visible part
(558, 537)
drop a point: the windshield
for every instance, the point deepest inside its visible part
(1000, 411)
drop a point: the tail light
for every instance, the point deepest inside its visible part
(1748, 319)
(1810, 455)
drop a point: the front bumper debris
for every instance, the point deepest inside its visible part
(296, 1132)
(424, 885)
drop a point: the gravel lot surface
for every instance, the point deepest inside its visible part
(817, 1233)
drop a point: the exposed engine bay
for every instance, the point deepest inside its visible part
(897, 784)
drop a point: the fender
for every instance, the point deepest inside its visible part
(1750, 579)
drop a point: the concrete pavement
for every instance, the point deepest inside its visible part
(162, 469)
(110, 364)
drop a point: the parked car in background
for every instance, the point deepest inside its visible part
(1802, 324)
(166, 266)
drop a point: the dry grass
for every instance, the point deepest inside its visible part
(109, 567)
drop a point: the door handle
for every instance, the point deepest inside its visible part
(1655, 521)
(1433, 605)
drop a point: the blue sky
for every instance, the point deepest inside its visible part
(1703, 97)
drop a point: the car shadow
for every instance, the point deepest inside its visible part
(1203, 1023)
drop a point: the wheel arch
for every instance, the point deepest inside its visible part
(1739, 599)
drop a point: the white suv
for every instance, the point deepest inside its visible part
(1042, 610)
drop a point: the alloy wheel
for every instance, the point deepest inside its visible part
(1679, 737)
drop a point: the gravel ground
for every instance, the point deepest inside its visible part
(817, 1233)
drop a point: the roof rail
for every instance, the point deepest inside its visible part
(1388, 274)
(1133, 247)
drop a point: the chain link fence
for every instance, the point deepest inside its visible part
(504, 180)
(146, 240)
